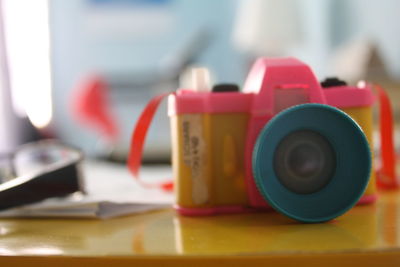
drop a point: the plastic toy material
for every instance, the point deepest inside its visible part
(285, 142)
(307, 164)
(214, 137)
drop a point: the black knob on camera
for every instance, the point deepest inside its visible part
(332, 82)
(225, 87)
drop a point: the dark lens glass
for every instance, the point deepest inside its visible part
(304, 161)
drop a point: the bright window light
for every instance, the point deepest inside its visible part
(26, 30)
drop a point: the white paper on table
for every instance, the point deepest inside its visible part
(111, 192)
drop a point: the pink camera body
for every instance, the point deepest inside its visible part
(209, 177)
(271, 75)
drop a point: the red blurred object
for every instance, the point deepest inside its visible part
(386, 175)
(138, 139)
(92, 107)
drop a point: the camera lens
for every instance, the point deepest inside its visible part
(311, 162)
(304, 161)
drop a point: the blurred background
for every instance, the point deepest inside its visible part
(135, 49)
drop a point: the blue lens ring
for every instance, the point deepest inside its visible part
(353, 158)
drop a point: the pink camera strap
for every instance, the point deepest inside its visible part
(386, 173)
(138, 140)
(92, 105)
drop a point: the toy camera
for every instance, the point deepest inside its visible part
(285, 142)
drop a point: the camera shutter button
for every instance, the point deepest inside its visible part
(225, 87)
(332, 82)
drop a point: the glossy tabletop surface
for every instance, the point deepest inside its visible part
(365, 229)
(370, 233)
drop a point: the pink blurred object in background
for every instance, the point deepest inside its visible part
(91, 106)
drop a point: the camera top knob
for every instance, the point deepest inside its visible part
(332, 82)
(225, 87)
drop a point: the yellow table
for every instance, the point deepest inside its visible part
(367, 235)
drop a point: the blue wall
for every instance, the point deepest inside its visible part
(326, 25)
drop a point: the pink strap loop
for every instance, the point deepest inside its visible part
(138, 139)
(386, 174)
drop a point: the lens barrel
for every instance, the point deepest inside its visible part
(311, 162)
